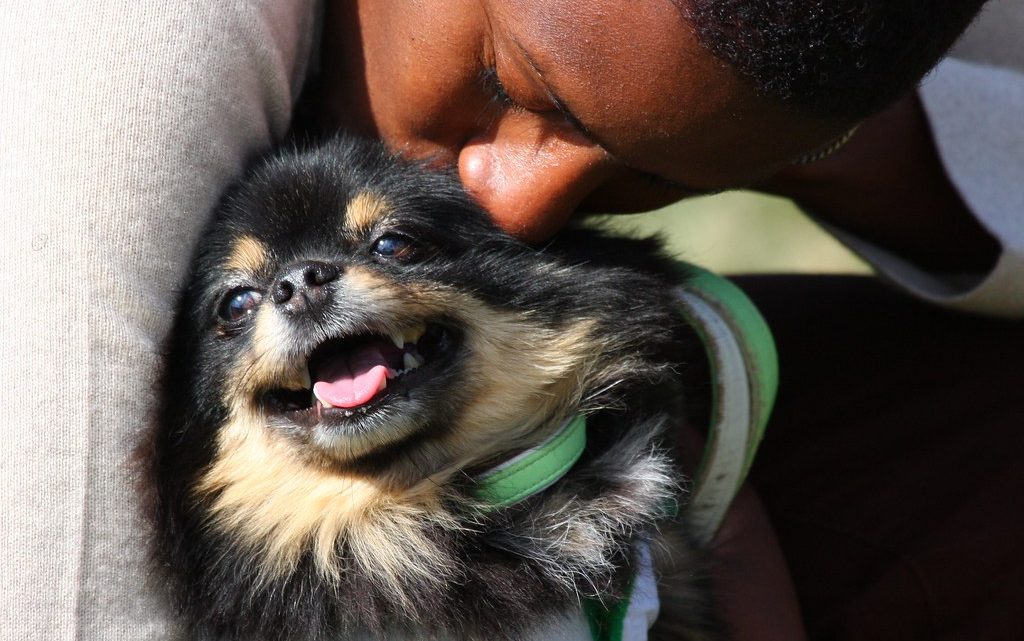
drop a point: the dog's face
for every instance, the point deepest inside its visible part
(370, 336)
(357, 328)
(357, 340)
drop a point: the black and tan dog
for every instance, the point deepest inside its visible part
(356, 345)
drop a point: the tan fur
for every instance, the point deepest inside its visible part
(269, 364)
(523, 374)
(277, 504)
(522, 378)
(364, 211)
(248, 255)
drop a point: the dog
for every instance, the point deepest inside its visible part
(356, 348)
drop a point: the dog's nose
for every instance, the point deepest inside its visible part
(301, 286)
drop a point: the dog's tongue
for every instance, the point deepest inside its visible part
(353, 380)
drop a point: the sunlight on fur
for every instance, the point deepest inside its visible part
(249, 256)
(363, 211)
(279, 505)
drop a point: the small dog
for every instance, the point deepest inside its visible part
(356, 347)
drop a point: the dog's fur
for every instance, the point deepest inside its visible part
(275, 528)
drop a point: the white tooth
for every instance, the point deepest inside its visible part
(392, 373)
(398, 339)
(307, 380)
(409, 361)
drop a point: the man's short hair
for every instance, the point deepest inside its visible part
(843, 58)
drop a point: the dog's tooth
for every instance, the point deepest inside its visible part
(409, 361)
(307, 380)
(383, 385)
(398, 339)
(392, 373)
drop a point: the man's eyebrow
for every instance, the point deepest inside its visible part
(560, 105)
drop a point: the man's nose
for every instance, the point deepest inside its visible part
(530, 174)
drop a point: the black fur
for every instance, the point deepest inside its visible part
(504, 584)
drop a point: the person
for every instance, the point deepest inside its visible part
(548, 109)
(562, 107)
(123, 124)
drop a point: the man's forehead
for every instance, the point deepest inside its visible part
(633, 72)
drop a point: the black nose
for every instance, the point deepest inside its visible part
(301, 286)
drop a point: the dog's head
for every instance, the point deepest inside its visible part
(377, 324)
(356, 341)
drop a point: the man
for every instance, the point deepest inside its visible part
(552, 108)
(124, 122)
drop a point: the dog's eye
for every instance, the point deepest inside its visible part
(394, 246)
(238, 304)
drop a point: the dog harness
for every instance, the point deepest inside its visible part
(745, 379)
(744, 369)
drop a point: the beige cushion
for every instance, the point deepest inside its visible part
(120, 124)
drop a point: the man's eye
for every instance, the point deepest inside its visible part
(529, 95)
(238, 304)
(493, 86)
(394, 246)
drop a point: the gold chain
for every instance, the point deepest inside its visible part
(828, 149)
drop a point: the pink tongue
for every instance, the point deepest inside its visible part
(353, 382)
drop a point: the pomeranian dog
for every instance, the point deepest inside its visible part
(357, 351)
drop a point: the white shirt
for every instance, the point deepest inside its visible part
(974, 101)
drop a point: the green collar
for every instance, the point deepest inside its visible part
(535, 469)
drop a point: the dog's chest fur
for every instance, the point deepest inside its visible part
(280, 519)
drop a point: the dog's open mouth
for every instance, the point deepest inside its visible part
(357, 374)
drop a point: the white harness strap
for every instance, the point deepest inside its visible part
(721, 467)
(744, 367)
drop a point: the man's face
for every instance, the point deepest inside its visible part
(551, 106)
